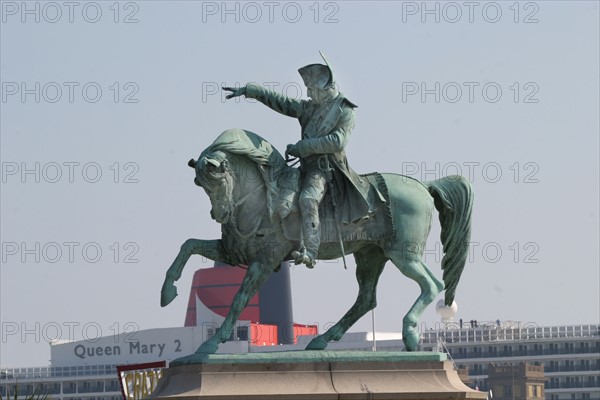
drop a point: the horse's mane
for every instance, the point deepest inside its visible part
(249, 144)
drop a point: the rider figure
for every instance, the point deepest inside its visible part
(327, 121)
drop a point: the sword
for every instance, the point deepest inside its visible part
(292, 162)
(325, 167)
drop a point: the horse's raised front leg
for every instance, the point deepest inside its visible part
(210, 249)
(369, 265)
(256, 275)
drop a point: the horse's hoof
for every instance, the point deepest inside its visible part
(410, 339)
(187, 360)
(317, 343)
(167, 294)
(207, 348)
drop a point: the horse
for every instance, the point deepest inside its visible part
(242, 174)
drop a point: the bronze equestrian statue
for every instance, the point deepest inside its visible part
(255, 196)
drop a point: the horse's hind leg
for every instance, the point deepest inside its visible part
(369, 265)
(411, 265)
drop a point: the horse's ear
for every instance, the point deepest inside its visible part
(192, 163)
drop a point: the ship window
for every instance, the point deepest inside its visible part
(498, 391)
(517, 391)
(534, 390)
(242, 333)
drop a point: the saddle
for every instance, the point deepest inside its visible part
(377, 224)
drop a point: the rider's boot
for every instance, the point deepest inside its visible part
(312, 234)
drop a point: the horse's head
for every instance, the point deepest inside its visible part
(215, 176)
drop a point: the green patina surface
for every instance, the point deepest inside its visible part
(259, 198)
(308, 356)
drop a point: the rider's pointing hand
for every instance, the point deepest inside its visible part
(235, 92)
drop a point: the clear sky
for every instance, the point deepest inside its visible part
(104, 103)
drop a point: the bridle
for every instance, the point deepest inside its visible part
(226, 177)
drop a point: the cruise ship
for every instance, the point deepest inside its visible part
(569, 354)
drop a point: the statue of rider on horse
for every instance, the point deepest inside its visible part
(326, 122)
(377, 217)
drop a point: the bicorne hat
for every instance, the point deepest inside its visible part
(318, 76)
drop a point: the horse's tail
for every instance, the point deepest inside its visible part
(453, 199)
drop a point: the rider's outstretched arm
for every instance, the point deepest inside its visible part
(278, 102)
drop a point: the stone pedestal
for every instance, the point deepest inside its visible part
(314, 375)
